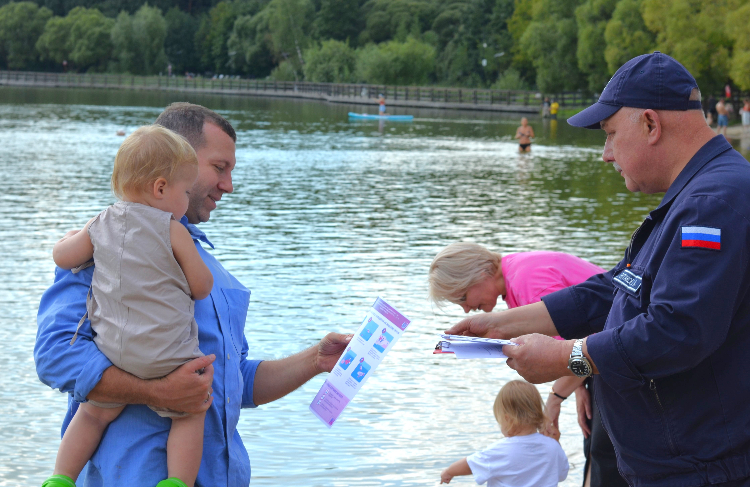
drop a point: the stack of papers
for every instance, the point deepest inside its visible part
(472, 347)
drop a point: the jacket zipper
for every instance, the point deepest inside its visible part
(672, 447)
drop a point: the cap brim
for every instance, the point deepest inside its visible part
(591, 117)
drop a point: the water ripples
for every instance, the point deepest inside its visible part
(326, 215)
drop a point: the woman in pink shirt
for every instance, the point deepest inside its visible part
(473, 277)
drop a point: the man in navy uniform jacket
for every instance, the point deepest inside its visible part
(666, 333)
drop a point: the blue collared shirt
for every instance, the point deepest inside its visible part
(672, 334)
(133, 450)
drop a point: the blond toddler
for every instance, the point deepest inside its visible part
(147, 277)
(524, 458)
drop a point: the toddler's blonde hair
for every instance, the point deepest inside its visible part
(149, 153)
(458, 267)
(519, 404)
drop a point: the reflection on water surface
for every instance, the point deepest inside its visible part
(326, 215)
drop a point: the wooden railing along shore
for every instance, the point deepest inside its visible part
(410, 96)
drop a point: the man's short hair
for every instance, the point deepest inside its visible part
(187, 120)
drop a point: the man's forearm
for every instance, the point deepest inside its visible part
(118, 386)
(275, 379)
(565, 386)
(532, 318)
(186, 389)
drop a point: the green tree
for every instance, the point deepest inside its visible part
(626, 35)
(250, 45)
(737, 22)
(284, 72)
(458, 64)
(500, 44)
(53, 44)
(517, 24)
(290, 25)
(83, 38)
(179, 44)
(550, 40)
(396, 63)
(694, 33)
(396, 19)
(592, 17)
(448, 23)
(339, 20)
(330, 62)
(511, 80)
(213, 34)
(21, 24)
(138, 41)
(472, 41)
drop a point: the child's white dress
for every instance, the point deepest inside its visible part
(520, 461)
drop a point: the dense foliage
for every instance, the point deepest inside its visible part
(550, 45)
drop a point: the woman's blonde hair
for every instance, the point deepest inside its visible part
(458, 267)
(150, 153)
(519, 404)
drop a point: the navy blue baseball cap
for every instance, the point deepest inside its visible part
(654, 81)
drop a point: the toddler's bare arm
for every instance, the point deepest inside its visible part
(198, 276)
(460, 467)
(74, 248)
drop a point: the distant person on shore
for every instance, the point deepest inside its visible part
(474, 277)
(524, 134)
(723, 120)
(545, 107)
(711, 114)
(745, 112)
(524, 458)
(553, 109)
(381, 104)
(138, 245)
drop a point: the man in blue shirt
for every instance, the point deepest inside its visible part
(133, 450)
(666, 333)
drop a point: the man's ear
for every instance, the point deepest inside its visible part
(652, 125)
(158, 188)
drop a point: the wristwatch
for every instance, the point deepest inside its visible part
(578, 363)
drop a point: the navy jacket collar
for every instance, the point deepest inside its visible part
(195, 233)
(708, 152)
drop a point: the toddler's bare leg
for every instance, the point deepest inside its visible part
(82, 438)
(185, 447)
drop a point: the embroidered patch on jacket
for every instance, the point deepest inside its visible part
(628, 281)
(701, 237)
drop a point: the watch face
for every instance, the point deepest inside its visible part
(580, 367)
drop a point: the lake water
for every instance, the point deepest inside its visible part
(326, 216)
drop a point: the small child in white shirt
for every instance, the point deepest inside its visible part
(525, 458)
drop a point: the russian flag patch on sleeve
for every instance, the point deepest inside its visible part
(701, 237)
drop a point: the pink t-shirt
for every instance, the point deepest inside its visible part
(531, 275)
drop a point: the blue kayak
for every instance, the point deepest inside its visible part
(367, 116)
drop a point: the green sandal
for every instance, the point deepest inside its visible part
(59, 481)
(172, 482)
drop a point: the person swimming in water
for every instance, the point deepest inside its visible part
(524, 134)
